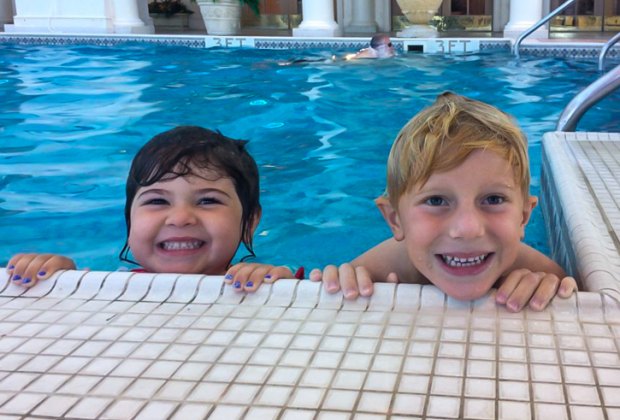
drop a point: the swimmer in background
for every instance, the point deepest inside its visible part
(380, 47)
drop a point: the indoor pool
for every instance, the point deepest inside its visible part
(72, 118)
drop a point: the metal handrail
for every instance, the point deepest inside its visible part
(596, 91)
(537, 25)
(605, 50)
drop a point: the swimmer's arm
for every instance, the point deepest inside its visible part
(533, 280)
(27, 269)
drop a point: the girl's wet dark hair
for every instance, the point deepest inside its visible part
(186, 150)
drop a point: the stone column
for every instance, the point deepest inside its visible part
(127, 17)
(362, 14)
(524, 14)
(6, 13)
(318, 19)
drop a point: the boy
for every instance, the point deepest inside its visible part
(457, 202)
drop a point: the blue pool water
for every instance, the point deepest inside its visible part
(72, 118)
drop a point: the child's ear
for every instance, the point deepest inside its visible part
(528, 207)
(391, 217)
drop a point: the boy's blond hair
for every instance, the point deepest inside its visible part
(443, 135)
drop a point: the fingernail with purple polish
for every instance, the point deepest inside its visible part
(237, 284)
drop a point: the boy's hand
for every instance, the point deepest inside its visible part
(354, 281)
(249, 276)
(538, 288)
(27, 269)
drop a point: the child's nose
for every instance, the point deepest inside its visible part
(466, 223)
(181, 216)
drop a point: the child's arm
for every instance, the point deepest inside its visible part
(249, 276)
(534, 279)
(27, 269)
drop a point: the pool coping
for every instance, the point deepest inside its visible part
(579, 198)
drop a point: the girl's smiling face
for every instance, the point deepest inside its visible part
(186, 224)
(463, 227)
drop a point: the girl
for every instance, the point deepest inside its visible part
(192, 196)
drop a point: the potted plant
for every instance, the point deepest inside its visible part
(223, 17)
(170, 14)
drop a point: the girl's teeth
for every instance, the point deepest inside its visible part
(176, 246)
(463, 262)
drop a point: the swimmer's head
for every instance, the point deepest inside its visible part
(382, 45)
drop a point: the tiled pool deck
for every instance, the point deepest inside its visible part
(145, 346)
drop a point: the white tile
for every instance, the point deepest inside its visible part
(22, 403)
(408, 404)
(156, 410)
(578, 375)
(227, 412)
(550, 393)
(414, 384)
(380, 381)
(111, 387)
(421, 348)
(590, 413)
(326, 359)
(222, 373)
(297, 414)
(442, 385)
(481, 351)
(419, 365)
(387, 363)
(89, 407)
(192, 411)
(332, 415)
(254, 374)
(480, 388)
(320, 378)
(240, 394)
(514, 410)
(206, 392)
(285, 375)
(338, 344)
(479, 409)
(266, 413)
(449, 367)
(512, 390)
(443, 407)
(582, 395)
(349, 379)
(337, 399)
(611, 396)
(543, 355)
(55, 406)
(306, 398)
(274, 395)
(144, 388)
(375, 402)
(608, 377)
(451, 350)
(363, 345)
(480, 369)
(513, 371)
(550, 411)
(512, 354)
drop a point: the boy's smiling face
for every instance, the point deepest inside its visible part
(463, 227)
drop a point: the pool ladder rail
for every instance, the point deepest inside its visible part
(599, 89)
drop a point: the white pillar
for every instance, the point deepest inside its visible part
(362, 14)
(523, 15)
(6, 13)
(127, 17)
(318, 19)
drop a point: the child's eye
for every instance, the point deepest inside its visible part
(494, 200)
(155, 202)
(435, 201)
(208, 200)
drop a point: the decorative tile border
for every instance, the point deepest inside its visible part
(268, 42)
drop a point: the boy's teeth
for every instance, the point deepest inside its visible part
(175, 246)
(463, 262)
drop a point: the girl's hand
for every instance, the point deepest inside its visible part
(247, 277)
(535, 289)
(27, 269)
(354, 281)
